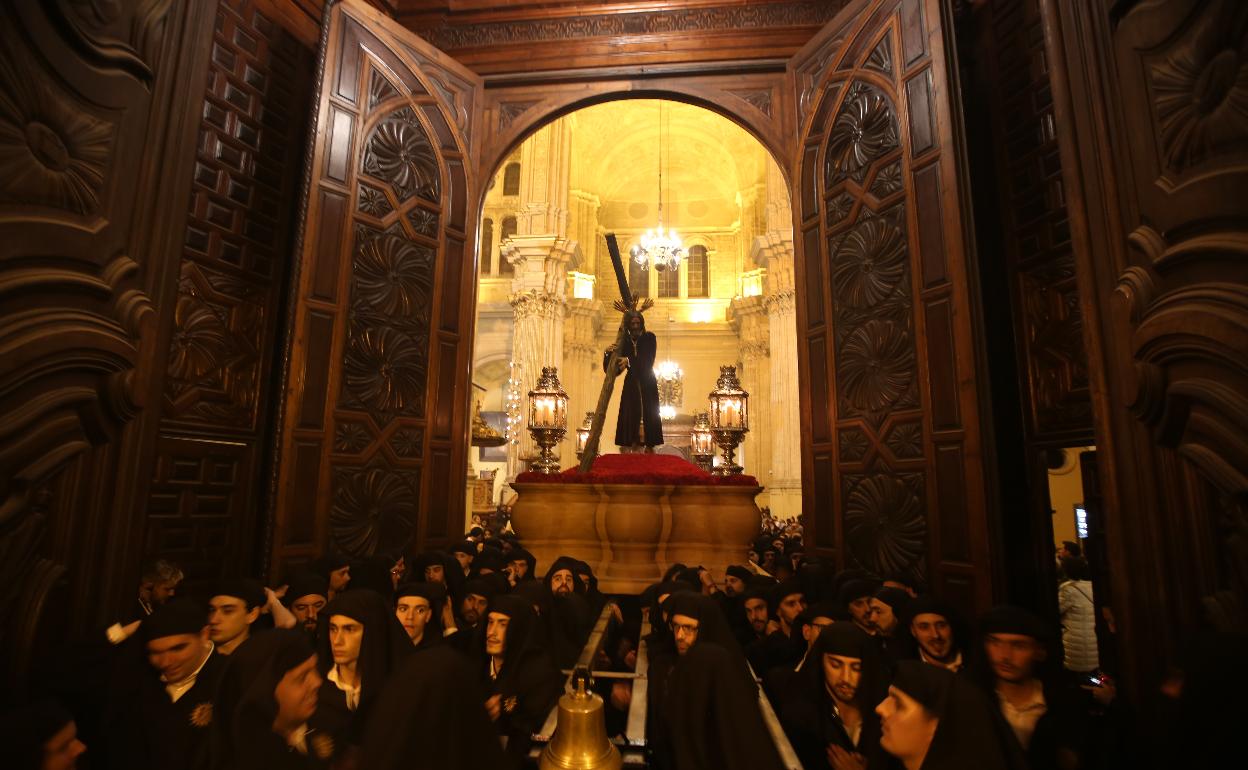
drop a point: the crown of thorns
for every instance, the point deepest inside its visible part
(638, 305)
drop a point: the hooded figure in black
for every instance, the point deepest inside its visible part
(889, 609)
(814, 718)
(437, 567)
(1061, 730)
(521, 680)
(409, 613)
(639, 396)
(162, 698)
(248, 715)
(344, 709)
(570, 618)
(967, 732)
(709, 717)
(434, 718)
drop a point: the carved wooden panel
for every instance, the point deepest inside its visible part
(235, 259)
(94, 168)
(373, 398)
(1151, 109)
(600, 34)
(1041, 260)
(878, 203)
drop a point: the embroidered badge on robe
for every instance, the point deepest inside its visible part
(201, 715)
(509, 705)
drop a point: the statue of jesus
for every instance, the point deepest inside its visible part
(639, 428)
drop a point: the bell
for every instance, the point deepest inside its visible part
(580, 740)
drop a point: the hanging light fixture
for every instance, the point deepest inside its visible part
(671, 381)
(658, 247)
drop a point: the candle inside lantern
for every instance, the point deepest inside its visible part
(545, 412)
(731, 417)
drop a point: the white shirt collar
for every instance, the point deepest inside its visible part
(177, 689)
(352, 693)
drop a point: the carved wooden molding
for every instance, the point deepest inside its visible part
(586, 24)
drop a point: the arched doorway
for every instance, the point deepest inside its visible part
(593, 170)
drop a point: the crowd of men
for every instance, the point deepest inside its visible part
(455, 659)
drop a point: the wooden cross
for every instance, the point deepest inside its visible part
(608, 382)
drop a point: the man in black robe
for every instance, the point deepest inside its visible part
(358, 643)
(306, 596)
(570, 619)
(639, 424)
(161, 702)
(784, 644)
(1016, 667)
(829, 712)
(266, 704)
(420, 608)
(938, 632)
(709, 714)
(521, 681)
(937, 720)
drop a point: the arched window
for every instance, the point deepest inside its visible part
(511, 179)
(508, 230)
(487, 246)
(638, 280)
(699, 276)
(669, 284)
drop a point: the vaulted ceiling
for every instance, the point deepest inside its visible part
(708, 160)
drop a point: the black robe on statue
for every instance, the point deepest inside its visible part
(639, 397)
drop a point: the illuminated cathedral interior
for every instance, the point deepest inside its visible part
(672, 384)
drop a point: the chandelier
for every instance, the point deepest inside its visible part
(659, 247)
(671, 381)
(671, 388)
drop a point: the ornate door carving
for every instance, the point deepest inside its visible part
(886, 314)
(374, 426)
(1151, 100)
(95, 164)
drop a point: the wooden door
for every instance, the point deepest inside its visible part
(374, 422)
(893, 442)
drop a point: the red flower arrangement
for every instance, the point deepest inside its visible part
(638, 469)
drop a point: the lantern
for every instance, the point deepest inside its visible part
(729, 417)
(702, 442)
(548, 418)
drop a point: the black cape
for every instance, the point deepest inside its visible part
(715, 713)
(970, 733)
(806, 709)
(145, 729)
(434, 717)
(242, 736)
(528, 684)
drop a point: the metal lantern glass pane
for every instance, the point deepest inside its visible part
(729, 402)
(701, 442)
(548, 403)
(582, 433)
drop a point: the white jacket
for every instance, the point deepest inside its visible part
(1074, 599)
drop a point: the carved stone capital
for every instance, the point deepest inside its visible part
(780, 303)
(536, 304)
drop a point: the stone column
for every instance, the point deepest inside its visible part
(749, 318)
(582, 366)
(538, 301)
(773, 250)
